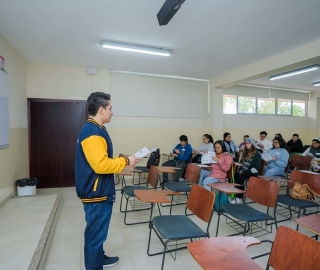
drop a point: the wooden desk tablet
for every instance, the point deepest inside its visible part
(123, 173)
(154, 196)
(227, 188)
(164, 169)
(224, 252)
(311, 223)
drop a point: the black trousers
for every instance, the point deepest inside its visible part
(175, 163)
(239, 179)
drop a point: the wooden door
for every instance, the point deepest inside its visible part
(54, 126)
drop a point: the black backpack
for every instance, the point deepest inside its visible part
(153, 159)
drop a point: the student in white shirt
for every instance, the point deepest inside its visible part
(264, 143)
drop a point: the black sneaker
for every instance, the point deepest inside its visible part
(109, 261)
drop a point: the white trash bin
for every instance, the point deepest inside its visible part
(27, 190)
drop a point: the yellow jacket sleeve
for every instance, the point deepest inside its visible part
(95, 151)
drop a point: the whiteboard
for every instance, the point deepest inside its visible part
(151, 96)
(4, 110)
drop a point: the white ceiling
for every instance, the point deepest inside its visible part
(208, 37)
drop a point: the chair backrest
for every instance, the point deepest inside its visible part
(153, 176)
(294, 250)
(192, 173)
(300, 162)
(201, 202)
(262, 191)
(231, 171)
(310, 178)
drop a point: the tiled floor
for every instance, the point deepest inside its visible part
(22, 222)
(127, 242)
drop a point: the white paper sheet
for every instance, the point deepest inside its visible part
(141, 153)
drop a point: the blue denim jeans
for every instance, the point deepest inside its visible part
(209, 180)
(273, 171)
(97, 216)
(203, 174)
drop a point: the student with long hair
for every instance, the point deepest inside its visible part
(218, 171)
(250, 165)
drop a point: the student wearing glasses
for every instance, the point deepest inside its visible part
(279, 160)
(206, 147)
(218, 170)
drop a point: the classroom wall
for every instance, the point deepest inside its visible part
(128, 134)
(14, 159)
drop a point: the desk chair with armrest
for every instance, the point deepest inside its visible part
(299, 206)
(294, 250)
(260, 191)
(127, 192)
(176, 228)
(191, 175)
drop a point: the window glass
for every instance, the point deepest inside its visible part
(298, 108)
(229, 104)
(284, 107)
(266, 106)
(246, 105)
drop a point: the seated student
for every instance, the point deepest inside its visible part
(231, 147)
(314, 150)
(278, 135)
(264, 143)
(206, 147)
(280, 158)
(243, 144)
(251, 165)
(295, 145)
(182, 154)
(219, 169)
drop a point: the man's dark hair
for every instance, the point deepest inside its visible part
(226, 134)
(96, 100)
(183, 138)
(295, 135)
(263, 133)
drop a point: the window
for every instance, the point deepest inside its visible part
(298, 108)
(229, 104)
(284, 107)
(266, 106)
(233, 104)
(246, 105)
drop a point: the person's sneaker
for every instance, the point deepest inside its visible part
(109, 261)
(236, 201)
(181, 179)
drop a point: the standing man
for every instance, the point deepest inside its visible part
(94, 170)
(264, 143)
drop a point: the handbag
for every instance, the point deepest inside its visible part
(303, 192)
(197, 159)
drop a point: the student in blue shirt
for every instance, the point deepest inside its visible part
(182, 156)
(280, 158)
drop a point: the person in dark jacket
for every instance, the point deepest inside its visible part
(250, 165)
(94, 179)
(295, 145)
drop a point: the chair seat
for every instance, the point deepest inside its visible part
(245, 212)
(129, 190)
(177, 186)
(288, 200)
(177, 227)
(141, 168)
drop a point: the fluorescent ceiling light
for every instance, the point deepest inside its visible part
(316, 84)
(294, 72)
(123, 46)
